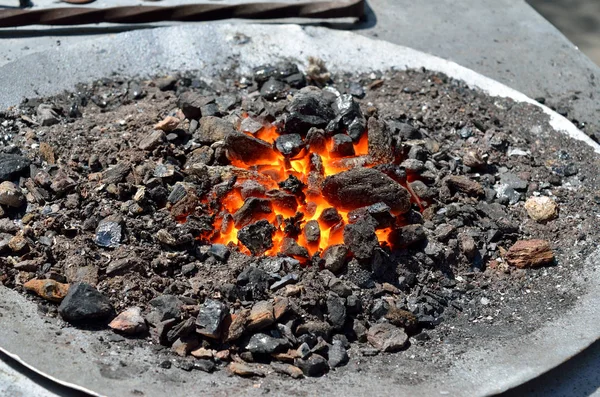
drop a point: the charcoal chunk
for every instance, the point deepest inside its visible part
(312, 231)
(361, 187)
(336, 311)
(13, 166)
(211, 315)
(247, 149)
(349, 116)
(265, 344)
(407, 236)
(219, 252)
(164, 307)
(257, 237)
(212, 129)
(361, 239)
(292, 184)
(289, 144)
(84, 303)
(341, 146)
(273, 89)
(290, 247)
(338, 356)
(109, 232)
(283, 201)
(330, 217)
(191, 102)
(315, 365)
(334, 257)
(307, 109)
(381, 149)
(253, 209)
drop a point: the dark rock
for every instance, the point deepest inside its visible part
(287, 369)
(212, 129)
(334, 257)
(464, 184)
(381, 149)
(361, 187)
(116, 173)
(307, 109)
(152, 140)
(204, 365)
(273, 89)
(407, 236)
(13, 166)
(210, 317)
(184, 345)
(316, 140)
(84, 303)
(251, 125)
(164, 307)
(513, 181)
(247, 149)
(312, 231)
(254, 278)
(109, 232)
(191, 102)
(209, 110)
(46, 115)
(387, 338)
(219, 252)
(316, 328)
(289, 144)
(336, 311)
(349, 116)
(405, 131)
(290, 247)
(291, 278)
(337, 354)
(356, 89)
(330, 217)
(292, 185)
(265, 344)
(341, 146)
(358, 275)
(296, 80)
(166, 83)
(361, 240)
(257, 237)
(181, 330)
(254, 209)
(315, 365)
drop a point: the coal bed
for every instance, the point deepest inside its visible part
(285, 223)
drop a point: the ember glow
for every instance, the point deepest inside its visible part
(288, 194)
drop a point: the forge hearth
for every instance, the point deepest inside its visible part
(273, 219)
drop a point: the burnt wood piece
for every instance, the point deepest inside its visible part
(361, 187)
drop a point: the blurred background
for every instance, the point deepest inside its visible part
(579, 20)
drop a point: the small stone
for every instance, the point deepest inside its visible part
(167, 124)
(287, 369)
(109, 232)
(303, 350)
(11, 195)
(289, 144)
(212, 129)
(184, 345)
(129, 322)
(291, 278)
(265, 344)
(408, 236)
(164, 307)
(237, 326)
(202, 353)
(529, 253)
(211, 315)
(342, 146)
(336, 311)
(338, 356)
(402, 318)
(166, 238)
(84, 303)
(48, 289)
(152, 140)
(47, 153)
(313, 366)
(541, 209)
(191, 102)
(361, 239)
(312, 231)
(513, 181)
(261, 316)
(273, 89)
(334, 258)
(46, 115)
(12, 166)
(281, 307)
(246, 370)
(473, 159)
(203, 365)
(257, 237)
(464, 184)
(467, 245)
(219, 251)
(387, 338)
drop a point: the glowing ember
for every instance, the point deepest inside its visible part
(287, 192)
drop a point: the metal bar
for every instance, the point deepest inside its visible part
(186, 12)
